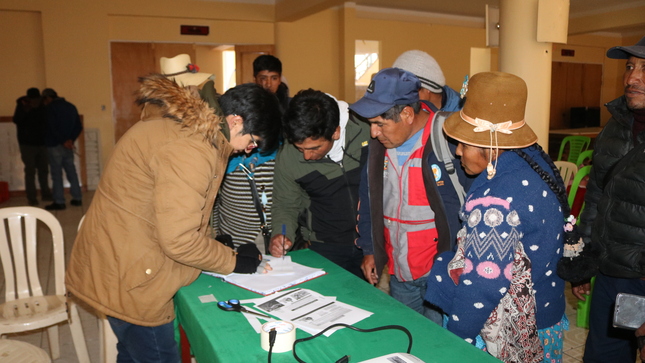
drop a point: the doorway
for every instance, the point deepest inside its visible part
(129, 61)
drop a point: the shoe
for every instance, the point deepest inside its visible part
(55, 206)
(76, 203)
(33, 202)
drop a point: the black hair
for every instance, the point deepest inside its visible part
(395, 112)
(33, 92)
(311, 114)
(556, 184)
(266, 62)
(259, 109)
(49, 92)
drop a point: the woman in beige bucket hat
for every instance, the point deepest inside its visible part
(500, 289)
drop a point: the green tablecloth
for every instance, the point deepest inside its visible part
(220, 336)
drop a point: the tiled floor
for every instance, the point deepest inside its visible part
(69, 218)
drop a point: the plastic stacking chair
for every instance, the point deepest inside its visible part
(584, 171)
(26, 307)
(584, 156)
(15, 351)
(582, 312)
(567, 171)
(577, 144)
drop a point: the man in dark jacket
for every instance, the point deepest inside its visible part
(409, 210)
(613, 221)
(317, 174)
(29, 118)
(267, 72)
(63, 127)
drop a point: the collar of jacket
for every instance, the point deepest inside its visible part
(618, 109)
(178, 104)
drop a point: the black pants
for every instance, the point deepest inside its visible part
(604, 342)
(35, 159)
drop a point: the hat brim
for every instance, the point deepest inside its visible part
(621, 52)
(190, 79)
(431, 88)
(368, 108)
(462, 131)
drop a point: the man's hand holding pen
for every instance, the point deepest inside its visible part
(279, 245)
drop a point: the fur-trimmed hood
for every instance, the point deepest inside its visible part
(179, 104)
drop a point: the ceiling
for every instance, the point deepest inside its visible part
(476, 8)
(623, 17)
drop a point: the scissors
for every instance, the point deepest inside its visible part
(234, 305)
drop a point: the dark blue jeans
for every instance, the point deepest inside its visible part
(145, 344)
(62, 158)
(412, 293)
(604, 342)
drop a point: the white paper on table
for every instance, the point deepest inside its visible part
(280, 266)
(270, 282)
(311, 311)
(292, 303)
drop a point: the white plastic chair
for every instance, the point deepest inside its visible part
(107, 338)
(567, 170)
(15, 351)
(25, 307)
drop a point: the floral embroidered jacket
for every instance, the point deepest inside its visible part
(514, 207)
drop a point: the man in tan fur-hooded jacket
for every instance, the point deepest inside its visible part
(146, 233)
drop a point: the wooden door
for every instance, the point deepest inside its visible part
(129, 62)
(244, 57)
(573, 85)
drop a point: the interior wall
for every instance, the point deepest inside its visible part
(22, 64)
(209, 59)
(309, 52)
(65, 45)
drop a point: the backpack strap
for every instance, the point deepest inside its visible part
(442, 151)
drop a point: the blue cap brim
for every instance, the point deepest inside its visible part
(368, 108)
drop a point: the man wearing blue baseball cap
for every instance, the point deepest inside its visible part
(408, 210)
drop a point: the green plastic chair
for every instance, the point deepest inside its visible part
(577, 144)
(582, 312)
(584, 171)
(587, 154)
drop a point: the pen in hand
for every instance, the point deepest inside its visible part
(284, 236)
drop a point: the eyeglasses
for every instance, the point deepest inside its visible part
(255, 144)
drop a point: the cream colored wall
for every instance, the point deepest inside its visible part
(308, 49)
(449, 45)
(210, 60)
(24, 66)
(320, 65)
(65, 45)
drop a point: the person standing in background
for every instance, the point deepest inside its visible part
(317, 176)
(29, 118)
(267, 72)
(433, 82)
(612, 223)
(409, 207)
(237, 211)
(63, 127)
